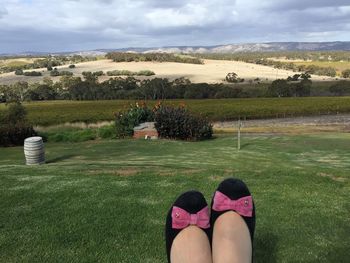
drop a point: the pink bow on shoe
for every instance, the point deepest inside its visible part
(243, 206)
(181, 218)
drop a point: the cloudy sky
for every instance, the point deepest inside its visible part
(68, 25)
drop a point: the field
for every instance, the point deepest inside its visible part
(57, 112)
(106, 201)
(16, 62)
(212, 71)
(338, 65)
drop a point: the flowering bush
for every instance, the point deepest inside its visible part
(170, 121)
(127, 120)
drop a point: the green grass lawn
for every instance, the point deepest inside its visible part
(106, 201)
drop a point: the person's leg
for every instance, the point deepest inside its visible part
(231, 239)
(191, 245)
(187, 230)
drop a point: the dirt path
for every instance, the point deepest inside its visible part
(324, 123)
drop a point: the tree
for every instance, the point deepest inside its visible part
(340, 88)
(303, 88)
(54, 73)
(305, 76)
(18, 91)
(90, 77)
(14, 127)
(346, 73)
(295, 77)
(15, 113)
(232, 77)
(155, 88)
(19, 72)
(279, 88)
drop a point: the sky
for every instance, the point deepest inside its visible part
(75, 25)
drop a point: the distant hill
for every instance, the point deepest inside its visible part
(230, 48)
(249, 47)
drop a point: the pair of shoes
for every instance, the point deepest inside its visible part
(191, 208)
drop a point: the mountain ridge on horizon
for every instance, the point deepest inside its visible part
(226, 48)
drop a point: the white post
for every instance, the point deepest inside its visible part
(239, 135)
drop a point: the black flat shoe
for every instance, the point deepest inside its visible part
(190, 208)
(233, 195)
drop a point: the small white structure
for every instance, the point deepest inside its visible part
(34, 151)
(146, 130)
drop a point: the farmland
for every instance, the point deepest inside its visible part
(106, 200)
(56, 112)
(13, 62)
(212, 71)
(338, 65)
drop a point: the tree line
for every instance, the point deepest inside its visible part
(264, 58)
(158, 57)
(89, 88)
(289, 55)
(46, 62)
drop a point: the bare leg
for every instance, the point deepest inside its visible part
(191, 245)
(231, 240)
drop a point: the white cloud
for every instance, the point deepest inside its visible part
(85, 24)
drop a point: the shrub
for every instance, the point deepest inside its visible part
(14, 127)
(70, 134)
(76, 136)
(98, 73)
(127, 120)
(130, 73)
(346, 73)
(107, 132)
(56, 73)
(145, 73)
(19, 72)
(32, 73)
(15, 134)
(72, 66)
(120, 73)
(178, 123)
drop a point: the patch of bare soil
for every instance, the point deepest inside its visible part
(324, 123)
(333, 177)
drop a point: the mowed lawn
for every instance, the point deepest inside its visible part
(106, 201)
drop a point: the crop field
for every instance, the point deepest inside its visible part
(57, 112)
(212, 71)
(106, 200)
